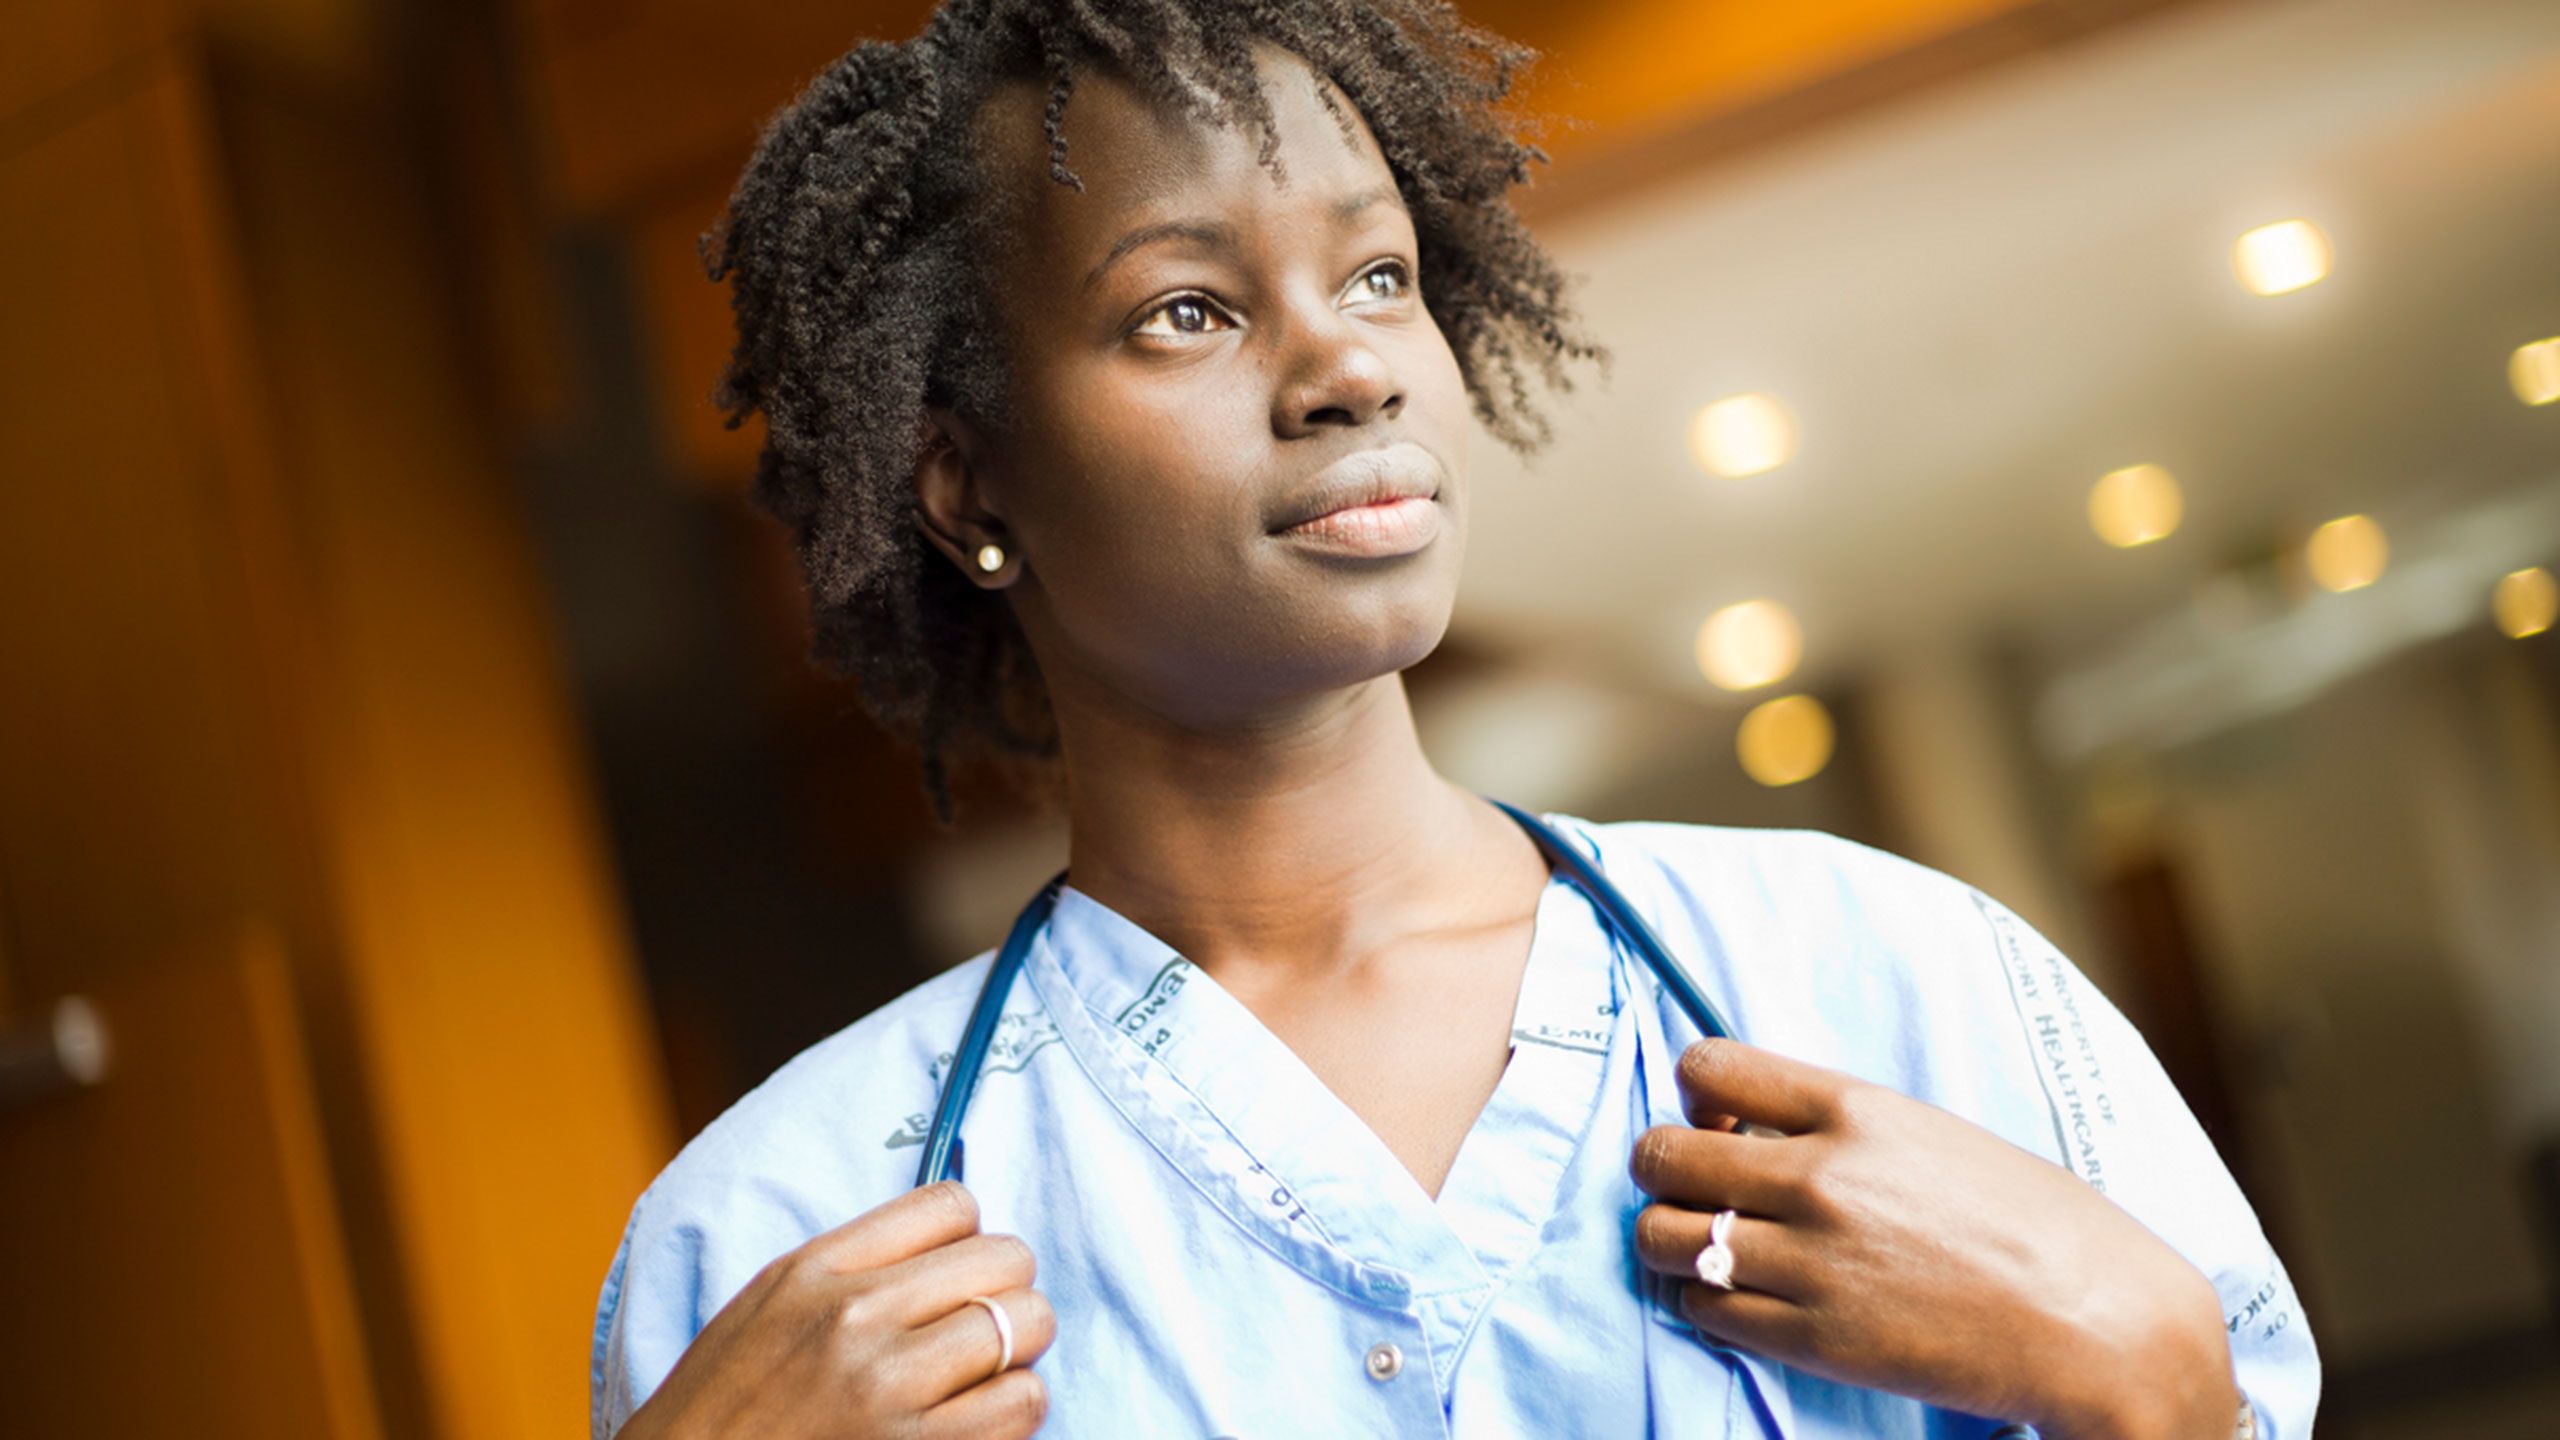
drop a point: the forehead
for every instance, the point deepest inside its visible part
(1141, 158)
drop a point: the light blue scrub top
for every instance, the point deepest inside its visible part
(1228, 1246)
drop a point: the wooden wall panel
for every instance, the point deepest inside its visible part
(276, 654)
(518, 1102)
(139, 801)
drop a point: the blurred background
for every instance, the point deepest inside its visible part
(2105, 449)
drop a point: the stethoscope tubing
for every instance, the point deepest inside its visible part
(1631, 927)
(960, 1079)
(943, 1151)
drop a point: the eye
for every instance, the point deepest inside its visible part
(1389, 281)
(1189, 315)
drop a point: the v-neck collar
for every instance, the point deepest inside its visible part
(1258, 1133)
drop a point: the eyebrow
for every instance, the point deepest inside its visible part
(1218, 235)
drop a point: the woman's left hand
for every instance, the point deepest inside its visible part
(1884, 1242)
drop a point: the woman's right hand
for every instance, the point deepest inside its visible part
(867, 1331)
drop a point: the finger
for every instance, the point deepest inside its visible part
(1008, 1407)
(1710, 1170)
(921, 1219)
(1765, 1324)
(1767, 1256)
(925, 1287)
(1728, 1078)
(960, 1349)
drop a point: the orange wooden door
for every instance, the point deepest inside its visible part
(171, 1250)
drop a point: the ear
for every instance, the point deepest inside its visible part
(952, 505)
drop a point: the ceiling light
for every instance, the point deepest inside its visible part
(1785, 740)
(2280, 258)
(2135, 505)
(2535, 371)
(2526, 602)
(1742, 435)
(1750, 644)
(2348, 553)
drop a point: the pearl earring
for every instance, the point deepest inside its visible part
(991, 558)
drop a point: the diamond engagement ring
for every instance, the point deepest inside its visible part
(1715, 1263)
(1004, 1334)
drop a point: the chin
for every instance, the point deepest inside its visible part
(1400, 623)
(1384, 638)
(1415, 644)
(1302, 640)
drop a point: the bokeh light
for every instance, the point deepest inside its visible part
(2281, 258)
(1741, 436)
(2135, 505)
(2534, 371)
(1785, 740)
(1750, 644)
(2525, 602)
(2348, 553)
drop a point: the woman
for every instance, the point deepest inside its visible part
(1117, 364)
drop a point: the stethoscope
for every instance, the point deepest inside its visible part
(942, 1146)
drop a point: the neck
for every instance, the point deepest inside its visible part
(1296, 845)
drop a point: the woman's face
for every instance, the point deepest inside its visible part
(1200, 357)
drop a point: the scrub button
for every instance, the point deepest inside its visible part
(1385, 1360)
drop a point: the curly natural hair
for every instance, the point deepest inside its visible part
(854, 243)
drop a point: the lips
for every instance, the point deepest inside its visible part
(1402, 471)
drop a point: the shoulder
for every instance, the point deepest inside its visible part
(1711, 850)
(824, 1117)
(832, 1133)
(1796, 886)
(1845, 955)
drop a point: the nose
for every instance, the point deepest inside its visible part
(1334, 376)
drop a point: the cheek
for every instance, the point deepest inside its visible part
(1452, 412)
(1155, 505)
(1436, 393)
